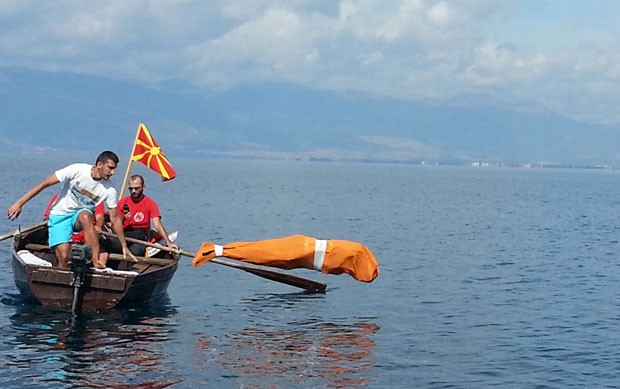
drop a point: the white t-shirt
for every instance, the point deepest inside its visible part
(80, 191)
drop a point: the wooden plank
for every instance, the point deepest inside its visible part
(48, 275)
(38, 247)
(113, 256)
(22, 230)
(56, 276)
(150, 261)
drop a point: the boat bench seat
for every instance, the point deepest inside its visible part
(113, 256)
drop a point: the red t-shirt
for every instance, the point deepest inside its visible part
(76, 237)
(141, 212)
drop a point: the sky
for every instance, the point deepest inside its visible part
(561, 54)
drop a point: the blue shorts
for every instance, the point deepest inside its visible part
(60, 227)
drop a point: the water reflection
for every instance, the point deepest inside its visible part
(309, 351)
(113, 348)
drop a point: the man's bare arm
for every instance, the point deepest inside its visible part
(16, 208)
(162, 231)
(117, 225)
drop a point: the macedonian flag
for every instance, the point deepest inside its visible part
(147, 151)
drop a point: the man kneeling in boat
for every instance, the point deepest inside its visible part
(84, 186)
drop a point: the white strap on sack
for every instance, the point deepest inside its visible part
(319, 253)
(219, 250)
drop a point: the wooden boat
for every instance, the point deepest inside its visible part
(37, 280)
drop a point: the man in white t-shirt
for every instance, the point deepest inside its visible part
(84, 186)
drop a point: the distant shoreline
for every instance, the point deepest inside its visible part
(85, 156)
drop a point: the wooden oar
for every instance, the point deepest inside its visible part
(22, 230)
(299, 282)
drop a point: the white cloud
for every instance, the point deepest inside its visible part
(494, 64)
(372, 58)
(440, 14)
(276, 38)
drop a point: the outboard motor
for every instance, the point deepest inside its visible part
(81, 258)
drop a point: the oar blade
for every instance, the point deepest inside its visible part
(288, 279)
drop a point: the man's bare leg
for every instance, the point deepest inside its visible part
(90, 236)
(62, 254)
(103, 258)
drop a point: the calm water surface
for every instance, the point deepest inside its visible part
(489, 278)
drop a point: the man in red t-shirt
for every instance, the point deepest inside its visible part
(138, 211)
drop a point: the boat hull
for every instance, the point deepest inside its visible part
(51, 286)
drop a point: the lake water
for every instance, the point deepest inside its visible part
(490, 277)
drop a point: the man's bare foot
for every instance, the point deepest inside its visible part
(99, 265)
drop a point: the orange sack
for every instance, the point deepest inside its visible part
(299, 251)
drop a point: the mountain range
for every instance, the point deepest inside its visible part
(56, 112)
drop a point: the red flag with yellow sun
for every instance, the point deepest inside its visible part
(147, 151)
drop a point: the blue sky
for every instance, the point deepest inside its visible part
(563, 24)
(563, 54)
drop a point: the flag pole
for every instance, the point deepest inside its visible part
(133, 149)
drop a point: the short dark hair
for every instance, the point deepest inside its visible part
(137, 177)
(107, 156)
